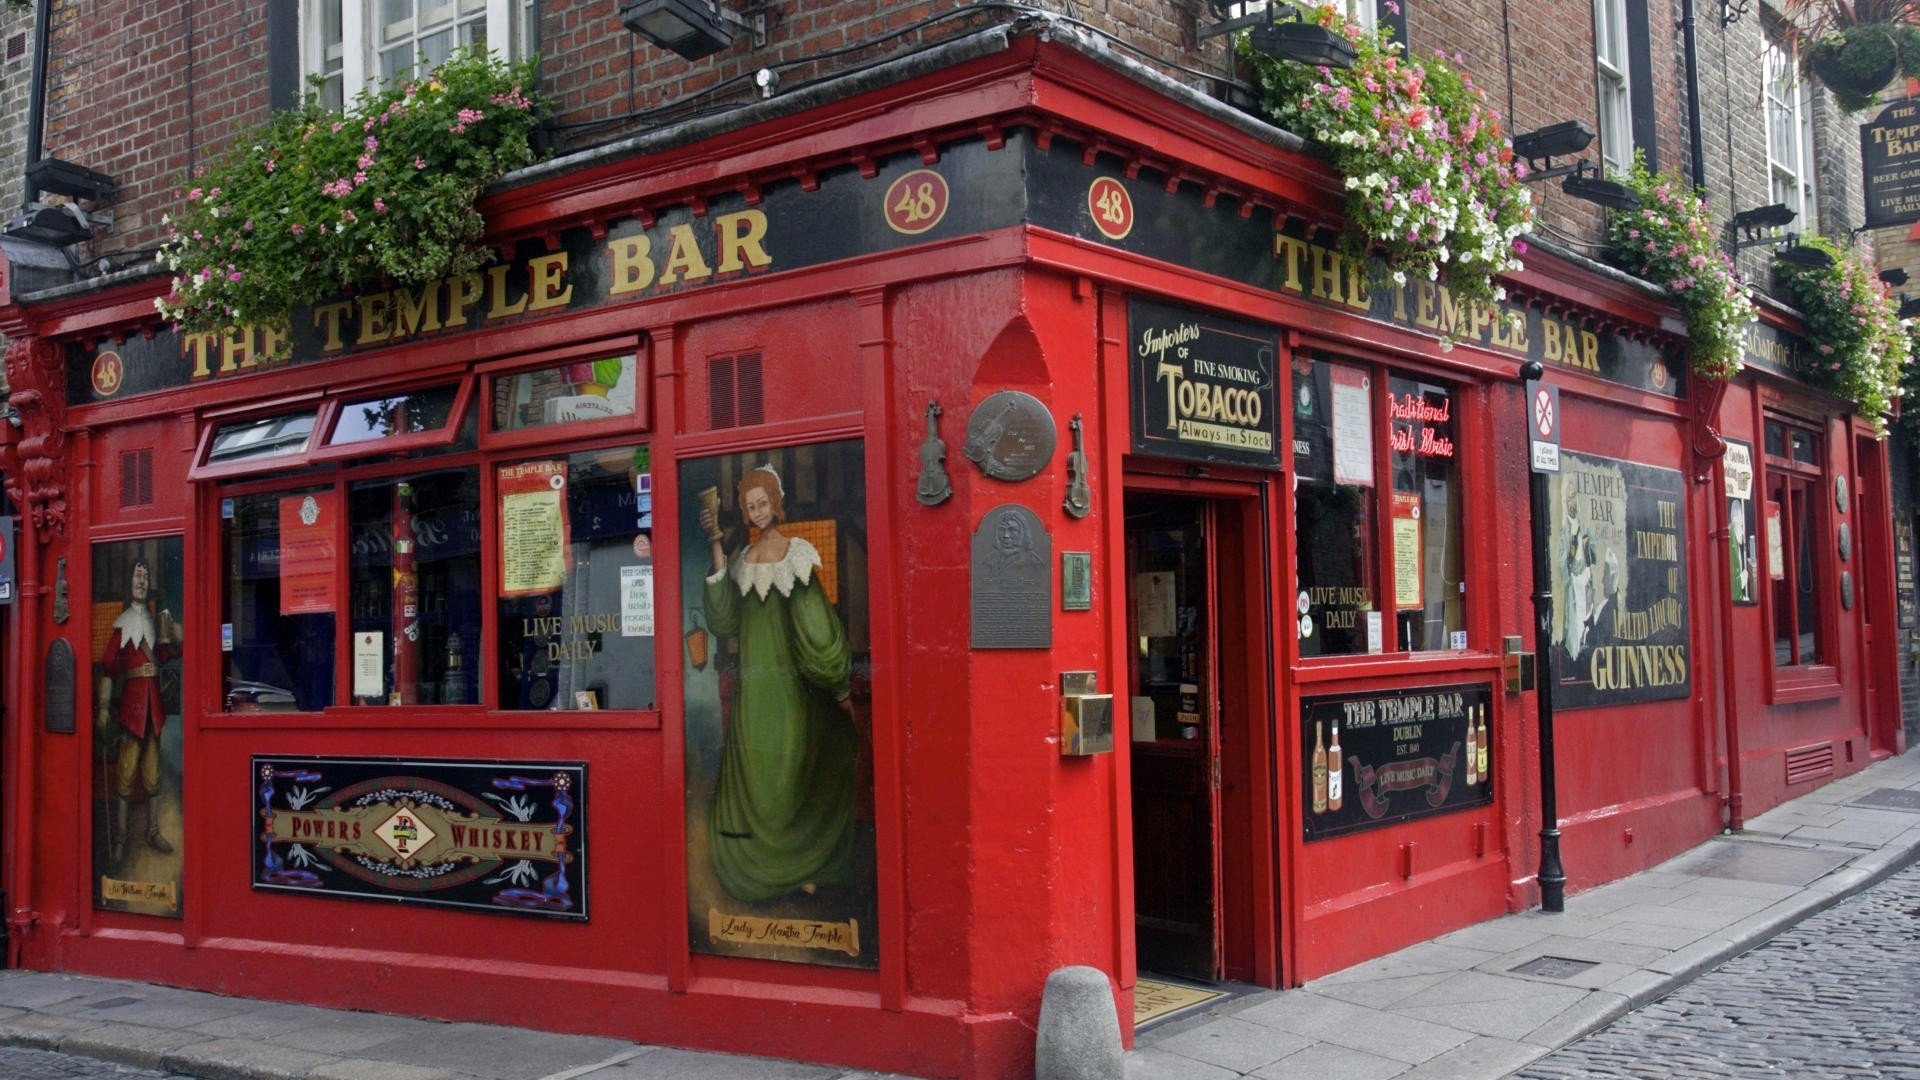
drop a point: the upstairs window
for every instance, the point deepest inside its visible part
(353, 45)
(1611, 61)
(1789, 137)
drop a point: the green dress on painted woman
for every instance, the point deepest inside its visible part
(782, 814)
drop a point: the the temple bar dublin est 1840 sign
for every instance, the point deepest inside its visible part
(1203, 385)
(475, 835)
(1373, 759)
(1890, 160)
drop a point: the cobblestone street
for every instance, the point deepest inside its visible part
(1834, 997)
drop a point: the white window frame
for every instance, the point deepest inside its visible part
(1790, 160)
(356, 57)
(1614, 84)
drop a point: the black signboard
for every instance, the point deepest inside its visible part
(57, 698)
(1378, 758)
(1617, 549)
(1203, 385)
(479, 835)
(1890, 163)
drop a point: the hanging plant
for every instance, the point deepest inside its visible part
(1431, 181)
(1860, 348)
(316, 203)
(1673, 242)
(1856, 47)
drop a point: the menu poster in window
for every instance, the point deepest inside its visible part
(1352, 426)
(1407, 578)
(138, 826)
(781, 860)
(534, 541)
(1617, 552)
(636, 601)
(1374, 759)
(309, 581)
(1742, 575)
(1776, 544)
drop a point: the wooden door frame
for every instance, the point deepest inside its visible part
(1248, 938)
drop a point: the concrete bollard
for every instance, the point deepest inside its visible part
(1079, 1036)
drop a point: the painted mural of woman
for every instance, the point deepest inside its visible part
(782, 813)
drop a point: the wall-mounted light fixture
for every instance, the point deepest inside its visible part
(1756, 226)
(1909, 306)
(1279, 31)
(1583, 179)
(1796, 254)
(691, 28)
(1893, 277)
(58, 226)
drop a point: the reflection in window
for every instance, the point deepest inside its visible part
(1792, 539)
(1345, 530)
(415, 581)
(566, 393)
(273, 436)
(575, 595)
(410, 413)
(280, 613)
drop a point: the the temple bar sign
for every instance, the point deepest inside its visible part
(1890, 158)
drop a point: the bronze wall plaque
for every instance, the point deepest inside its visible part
(1010, 436)
(58, 700)
(1840, 499)
(1012, 581)
(1843, 538)
(1846, 590)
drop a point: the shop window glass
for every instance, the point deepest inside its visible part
(277, 608)
(1794, 526)
(414, 412)
(1372, 564)
(269, 437)
(566, 393)
(575, 590)
(415, 581)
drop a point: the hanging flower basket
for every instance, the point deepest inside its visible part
(1857, 63)
(1859, 348)
(1432, 185)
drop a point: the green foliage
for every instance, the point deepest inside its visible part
(1430, 178)
(1673, 242)
(315, 203)
(1860, 346)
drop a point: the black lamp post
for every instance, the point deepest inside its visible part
(1552, 877)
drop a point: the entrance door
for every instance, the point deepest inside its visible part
(1193, 693)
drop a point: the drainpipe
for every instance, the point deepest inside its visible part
(1696, 156)
(19, 773)
(37, 93)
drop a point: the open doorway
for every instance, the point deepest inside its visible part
(1201, 753)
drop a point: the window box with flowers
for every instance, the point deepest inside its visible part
(1431, 180)
(316, 203)
(1858, 346)
(1673, 242)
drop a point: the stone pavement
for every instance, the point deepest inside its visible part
(1475, 1004)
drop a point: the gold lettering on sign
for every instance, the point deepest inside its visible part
(841, 937)
(137, 892)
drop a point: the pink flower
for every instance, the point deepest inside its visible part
(338, 188)
(233, 275)
(380, 206)
(297, 228)
(359, 178)
(1519, 246)
(419, 163)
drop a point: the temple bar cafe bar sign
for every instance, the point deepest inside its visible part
(483, 836)
(1890, 158)
(1203, 385)
(1384, 757)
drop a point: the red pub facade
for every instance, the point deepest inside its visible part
(841, 565)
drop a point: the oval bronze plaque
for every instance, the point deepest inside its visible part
(1840, 493)
(1846, 589)
(1010, 436)
(1844, 539)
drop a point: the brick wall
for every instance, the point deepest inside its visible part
(16, 74)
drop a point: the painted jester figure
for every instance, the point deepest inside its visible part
(128, 705)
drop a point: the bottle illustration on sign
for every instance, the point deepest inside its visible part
(1481, 744)
(1319, 769)
(1335, 770)
(1473, 753)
